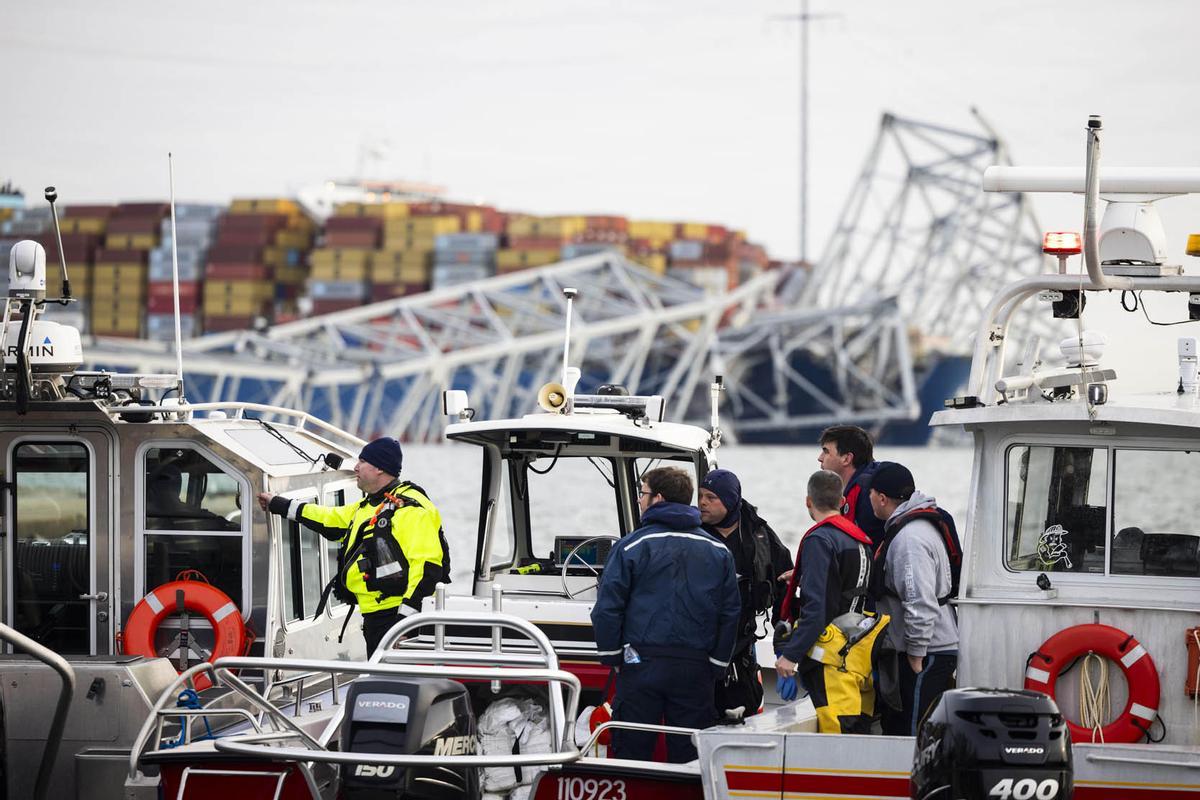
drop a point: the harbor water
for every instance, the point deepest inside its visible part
(573, 504)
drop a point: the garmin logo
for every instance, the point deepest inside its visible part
(35, 350)
(1029, 750)
(455, 745)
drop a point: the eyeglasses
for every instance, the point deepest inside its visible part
(647, 494)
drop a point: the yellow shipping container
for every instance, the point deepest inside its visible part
(386, 210)
(233, 306)
(268, 205)
(122, 273)
(508, 260)
(326, 271)
(5, 213)
(655, 262)
(474, 222)
(414, 227)
(416, 244)
(291, 274)
(659, 232)
(83, 224)
(131, 241)
(398, 257)
(105, 321)
(293, 238)
(400, 273)
(108, 290)
(117, 305)
(248, 290)
(694, 230)
(328, 256)
(348, 209)
(546, 227)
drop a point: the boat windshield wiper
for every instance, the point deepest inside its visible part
(600, 468)
(271, 430)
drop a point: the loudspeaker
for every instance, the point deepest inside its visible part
(552, 397)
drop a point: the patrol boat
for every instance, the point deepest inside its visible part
(131, 532)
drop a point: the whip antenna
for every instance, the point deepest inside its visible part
(175, 280)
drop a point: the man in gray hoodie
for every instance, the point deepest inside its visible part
(912, 583)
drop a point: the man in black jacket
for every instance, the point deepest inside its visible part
(830, 642)
(760, 559)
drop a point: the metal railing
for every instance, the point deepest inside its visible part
(277, 728)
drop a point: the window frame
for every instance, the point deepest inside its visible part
(11, 520)
(139, 513)
(329, 498)
(1111, 449)
(282, 559)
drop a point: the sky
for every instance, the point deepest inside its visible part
(657, 109)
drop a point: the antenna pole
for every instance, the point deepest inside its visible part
(175, 280)
(51, 196)
(570, 294)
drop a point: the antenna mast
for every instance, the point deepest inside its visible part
(175, 281)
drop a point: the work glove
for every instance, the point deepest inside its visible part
(787, 688)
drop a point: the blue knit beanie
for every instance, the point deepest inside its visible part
(383, 453)
(728, 489)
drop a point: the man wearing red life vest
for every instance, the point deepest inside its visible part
(829, 645)
(849, 451)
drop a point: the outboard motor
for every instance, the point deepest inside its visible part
(427, 716)
(992, 744)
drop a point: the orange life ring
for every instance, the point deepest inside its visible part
(198, 597)
(1061, 650)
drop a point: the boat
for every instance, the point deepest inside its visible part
(1064, 556)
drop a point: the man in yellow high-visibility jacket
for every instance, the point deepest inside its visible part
(387, 576)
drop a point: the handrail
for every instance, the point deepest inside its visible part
(303, 417)
(565, 756)
(59, 721)
(634, 726)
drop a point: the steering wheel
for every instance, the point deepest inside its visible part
(574, 554)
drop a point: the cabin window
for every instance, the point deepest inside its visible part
(572, 496)
(52, 533)
(1057, 508)
(192, 520)
(1154, 525)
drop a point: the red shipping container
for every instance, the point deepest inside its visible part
(166, 305)
(105, 255)
(252, 222)
(131, 224)
(159, 210)
(234, 254)
(245, 238)
(214, 324)
(88, 212)
(238, 272)
(352, 239)
(187, 289)
(331, 306)
(607, 223)
(535, 242)
(354, 225)
(78, 247)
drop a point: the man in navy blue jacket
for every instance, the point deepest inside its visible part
(665, 618)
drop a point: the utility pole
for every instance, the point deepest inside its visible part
(804, 17)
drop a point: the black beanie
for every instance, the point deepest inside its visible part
(894, 480)
(383, 453)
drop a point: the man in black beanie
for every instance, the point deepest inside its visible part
(760, 559)
(386, 576)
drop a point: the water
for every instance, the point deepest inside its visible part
(773, 479)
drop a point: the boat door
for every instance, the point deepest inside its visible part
(57, 527)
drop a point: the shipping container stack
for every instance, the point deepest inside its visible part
(462, 258)
(405, 263)
(194, 229)
(649, 244)
(537, 241)
(705, 255)
(118, 297)
(600, 234)
(256, 264)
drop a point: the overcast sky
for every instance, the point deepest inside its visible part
(650, 108)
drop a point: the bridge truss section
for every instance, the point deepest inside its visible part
(381, 368)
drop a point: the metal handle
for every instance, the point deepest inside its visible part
(99, 597)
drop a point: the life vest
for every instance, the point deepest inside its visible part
(943, 523)
(860, 482)
(861, 584)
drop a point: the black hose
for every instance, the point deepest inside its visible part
(24, 378)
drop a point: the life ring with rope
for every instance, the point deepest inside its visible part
(1061, 650)
(195, 594)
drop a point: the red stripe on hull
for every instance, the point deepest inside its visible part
(853, 785)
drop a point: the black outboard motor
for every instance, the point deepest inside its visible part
(992, 744)
(428, 716)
